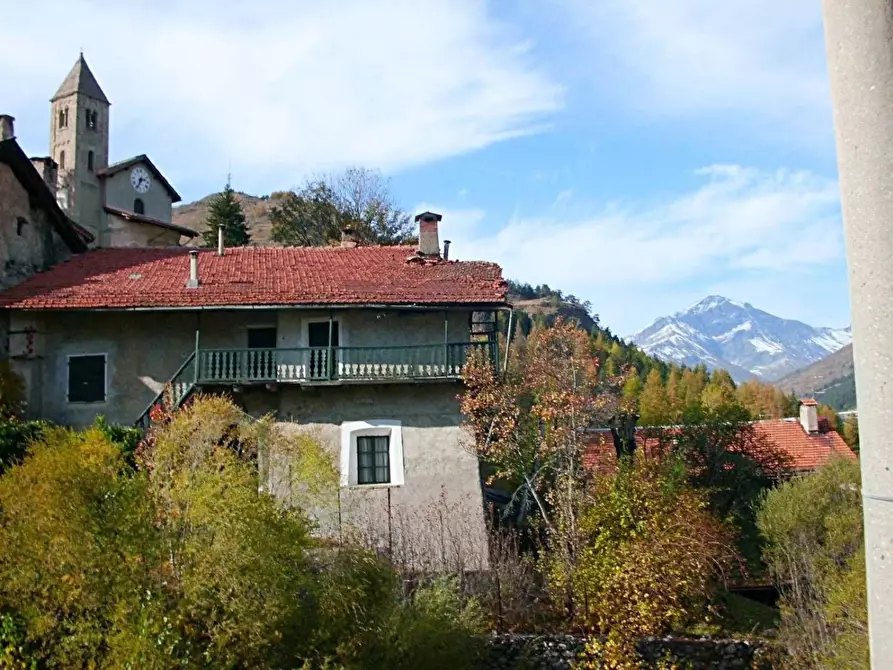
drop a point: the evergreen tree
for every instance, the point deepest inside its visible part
(226, 212)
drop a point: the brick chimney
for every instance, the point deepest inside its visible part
(48, 169)
(429, 242)
(7, 127)
(809, 415)
(349, 238)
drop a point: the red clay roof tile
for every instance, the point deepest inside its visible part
(807, 451)
(156, 278)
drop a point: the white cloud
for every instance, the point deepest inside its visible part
(761, 60)
(280, 88)
(741, 223)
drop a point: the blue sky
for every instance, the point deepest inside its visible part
(640, 155)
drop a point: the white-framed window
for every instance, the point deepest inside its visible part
(372, 453)
(87, 378)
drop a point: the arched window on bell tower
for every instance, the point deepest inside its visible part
(90, 160)
(138, 206)
(61, 160)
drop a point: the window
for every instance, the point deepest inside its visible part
(86, 378)
(61, 160)
(90, 161)
(373, 459)
(138, 206)
(21, 222)
(371, 453)
(63, 118)
(92, 120)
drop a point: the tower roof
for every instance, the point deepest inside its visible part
(80, 80)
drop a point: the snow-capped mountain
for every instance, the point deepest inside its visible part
(740, 338)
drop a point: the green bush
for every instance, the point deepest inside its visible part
(814, 549)
(184, 562)
(15, 436)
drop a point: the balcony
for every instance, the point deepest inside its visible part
(320, 365)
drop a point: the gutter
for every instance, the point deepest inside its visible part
(211, 308)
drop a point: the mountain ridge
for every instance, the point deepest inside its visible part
(747, 341)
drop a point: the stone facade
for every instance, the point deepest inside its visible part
(28, 242)
(429, 516)
(86, 182)
(79, 143)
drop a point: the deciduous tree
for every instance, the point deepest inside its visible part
(357, 198)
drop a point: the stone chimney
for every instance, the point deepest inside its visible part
(7, 127)
(446, 250)
(429, 242)
(193, 269)
(220, 245)
(349, 238)
(48, 169)
(809, 415)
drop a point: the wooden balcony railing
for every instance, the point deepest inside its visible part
(337, 364)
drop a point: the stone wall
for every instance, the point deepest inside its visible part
(28, 242)
(558, 652)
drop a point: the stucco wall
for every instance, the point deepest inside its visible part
(146, 348)
(123, 233)
(119, 192)
(433, 519)
(33, 247)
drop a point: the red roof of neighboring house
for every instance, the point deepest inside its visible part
(125, 278)
(807, 451)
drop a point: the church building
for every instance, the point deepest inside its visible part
(122, 204)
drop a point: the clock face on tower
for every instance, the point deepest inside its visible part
(139, 179)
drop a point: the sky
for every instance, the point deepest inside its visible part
(640, 155)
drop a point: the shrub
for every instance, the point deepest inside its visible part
(15, 437)
(186, 562)
(814, 549)
(652, 556)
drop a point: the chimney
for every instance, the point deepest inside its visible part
(7, 127)
(429, 242)
(219, 240)
(349, 238)
(193, 269)
(809, 415)
(48, 170)
(446, 250)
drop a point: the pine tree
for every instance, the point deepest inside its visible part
(226, 212)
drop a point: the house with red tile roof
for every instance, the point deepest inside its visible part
(362, 344)
(807, 441)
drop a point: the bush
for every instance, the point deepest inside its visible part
(185, 562)
(814, 549)
(15, 437)
(652, 556)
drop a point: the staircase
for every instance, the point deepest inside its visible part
(174, 393)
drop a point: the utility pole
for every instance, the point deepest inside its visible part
(859, 45)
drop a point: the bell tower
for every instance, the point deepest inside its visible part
(79, 143)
